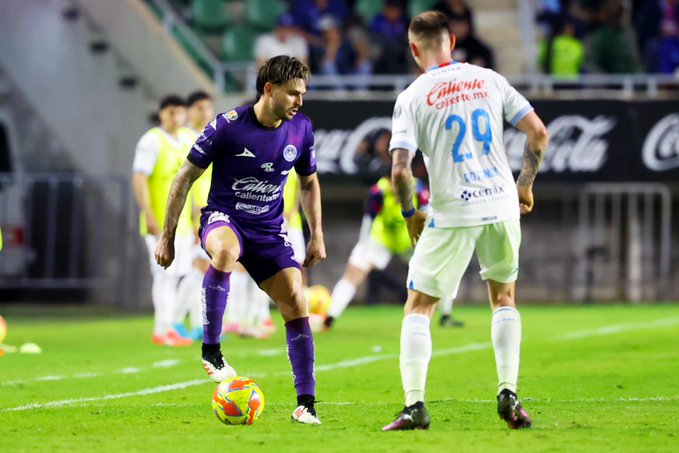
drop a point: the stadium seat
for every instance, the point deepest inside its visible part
(415, 7)
(263, 14)
(238, 42)
(368, 9)
(209, 15)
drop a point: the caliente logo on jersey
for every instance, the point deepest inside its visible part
(290, 153)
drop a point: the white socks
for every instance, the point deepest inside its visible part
(236, 304)
(188, 299)
(342, 294)
(505, 333)
(446, 305)
(415, 356)
(164, 295)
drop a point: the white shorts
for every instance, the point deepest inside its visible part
(296, 238)
(183, 255)
(442, 255)
(368, 253)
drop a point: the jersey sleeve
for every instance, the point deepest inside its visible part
(374, 202)
(514, 105)
(202, 151)
(306, 164)
(403, 126)
(146, 154)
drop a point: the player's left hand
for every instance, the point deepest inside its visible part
(315, 251)
(415, 225)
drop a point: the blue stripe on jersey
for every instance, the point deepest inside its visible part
(432, 224)
(519, 116)
(404, 145)
(411, 285)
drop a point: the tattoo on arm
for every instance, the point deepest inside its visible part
(531, 164)
(176, 200)
(402, 177)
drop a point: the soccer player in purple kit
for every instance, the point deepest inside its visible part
(252, 149)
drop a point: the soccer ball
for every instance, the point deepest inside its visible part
(238, 401)
(3, 329)
(319, 299)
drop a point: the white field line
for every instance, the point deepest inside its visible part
(73, 401)
(608, 330)
(128, 370)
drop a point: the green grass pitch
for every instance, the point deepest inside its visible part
(597, 378)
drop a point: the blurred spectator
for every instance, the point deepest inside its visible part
(468, 48)
(456, 10)
(609, 46)
(668, 53)
(372, 156)
(338, 56)
(284, 40)
(308, 14)
(390, 30)
(563, 55)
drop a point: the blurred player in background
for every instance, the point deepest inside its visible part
(252, 150)
(454, 114)
(158, 157)
(383, 234)
(201, 111)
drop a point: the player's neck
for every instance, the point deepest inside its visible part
(434, 59)
(198, 127)
(265, 116)
(172, 132)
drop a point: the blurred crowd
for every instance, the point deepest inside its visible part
(608, 36)
(345, 37)
(365, 37)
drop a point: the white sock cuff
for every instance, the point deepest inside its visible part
(416, 318)
(508, 311)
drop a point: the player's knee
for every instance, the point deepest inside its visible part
(224, 257)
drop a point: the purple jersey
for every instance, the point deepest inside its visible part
(250, 164)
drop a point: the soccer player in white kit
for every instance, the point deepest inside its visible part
(454, 114)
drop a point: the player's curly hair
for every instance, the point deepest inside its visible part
(279, 70)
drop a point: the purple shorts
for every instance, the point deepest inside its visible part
(263, 253)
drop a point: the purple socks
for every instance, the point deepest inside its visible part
(213, 297)
(301, 352)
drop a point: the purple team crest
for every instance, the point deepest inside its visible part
(289, 153)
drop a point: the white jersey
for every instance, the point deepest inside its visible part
(454, 114)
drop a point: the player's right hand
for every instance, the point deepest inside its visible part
(415, 225)
(165, 251)
(525, 199)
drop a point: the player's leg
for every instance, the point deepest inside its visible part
(222, 243)
(498, 251)
(365, 256)
(164, 296)
(446, 308)
(285, 289)
(436, 268)
(237, 301)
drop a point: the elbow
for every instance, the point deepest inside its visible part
(540, 134)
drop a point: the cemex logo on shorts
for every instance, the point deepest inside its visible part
(467, 195)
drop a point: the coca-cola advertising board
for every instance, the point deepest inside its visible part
(590, 140)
